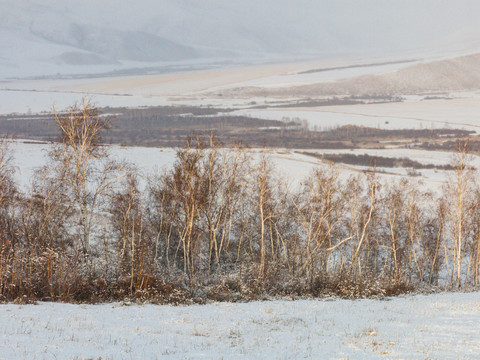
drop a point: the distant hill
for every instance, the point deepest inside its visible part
(455, 74)
(48, 37)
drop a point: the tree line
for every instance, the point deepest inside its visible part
(222, 225)
(380, 161)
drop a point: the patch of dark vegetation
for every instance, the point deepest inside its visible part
(217, 288)
(333, 101)
(363, 132)
(437, 97)
(311, 103)
(356, 66)
(159, 111)
(171, 130)
(169, 125)
(449, 145)
(377, 161)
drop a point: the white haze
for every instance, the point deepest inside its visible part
(45, 37)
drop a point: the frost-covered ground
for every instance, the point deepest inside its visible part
(203, 87)
(441, 326)
(457, 113)
(291, 167)
(29, 156)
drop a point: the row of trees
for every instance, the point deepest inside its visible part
(222, 225)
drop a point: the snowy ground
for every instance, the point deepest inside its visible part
(29, 156)
(460, 112)
(441, 326)
(448, 110)
(146, 90)
(203, 87)
(291, 167)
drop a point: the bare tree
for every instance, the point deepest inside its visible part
(81, 162)
(50, 260)
(362, 205)
(8, 234)
(7, 184)
(134, 243)
(320, 210)
(460, 192)
(194, 205)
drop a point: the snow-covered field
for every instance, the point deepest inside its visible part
(460, 113)
(29, 156)
(440, 326)
(320, 71)
(422, 156)
(22, 96)
(428, 179)
(454, 110)
(37, 101)
(204, 87)
(291, 167)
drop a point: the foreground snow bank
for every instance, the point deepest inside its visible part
(415, 327)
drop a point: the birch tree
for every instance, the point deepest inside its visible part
(81, 162)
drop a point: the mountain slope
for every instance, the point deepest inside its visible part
(115, 44)
(456, 74)
(45, 37)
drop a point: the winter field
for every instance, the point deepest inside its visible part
(460, 113)
(440, 326)
(290, 165)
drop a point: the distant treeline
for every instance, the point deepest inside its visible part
(378, 161)
(355, 66)
(450, 145)
(332, 101)
(169, 125)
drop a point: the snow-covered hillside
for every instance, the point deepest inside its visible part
(443, 326)
(50, 37)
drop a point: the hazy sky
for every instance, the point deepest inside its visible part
(273, 25)
(43, 29)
